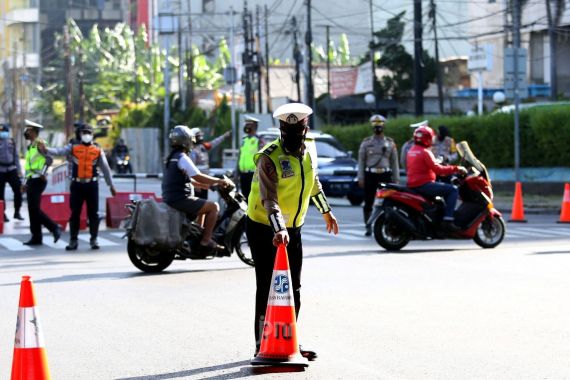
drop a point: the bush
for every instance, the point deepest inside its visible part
(544, 135)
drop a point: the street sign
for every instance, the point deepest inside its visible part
(230, 75)
(480, 58)
(509, 72)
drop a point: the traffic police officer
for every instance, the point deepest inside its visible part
(199, 154)
(377, 162)
(10, 170)
(284, 181)
(86, 157)
(444, 146)
(250, 145)
(36, 167)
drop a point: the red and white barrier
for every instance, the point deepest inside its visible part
(56, 206)
(115, 206)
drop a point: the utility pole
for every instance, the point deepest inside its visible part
(68, 84)
(14, 98)
(267, 92)
(418, 51)
(81, 94)
(23, 79)
(233, 106)
(297, 57)
(373, 64)
(432, 15)
(190, 61)
(552, 43)
(517, 45)
(247, 61)
(258, 60)
(180, 47)
(327, 52)
(309, 46)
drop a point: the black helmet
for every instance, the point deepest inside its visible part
(181, 136)
(5, 127)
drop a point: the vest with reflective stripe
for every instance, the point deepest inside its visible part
(35, 161)
(295, 179)
(85, 159)
(248, 149)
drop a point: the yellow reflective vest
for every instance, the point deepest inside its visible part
(248, 149)
(296, 177)
(35, 161)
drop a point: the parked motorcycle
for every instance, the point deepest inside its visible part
(123, 164)
(401, 214)
(229, 232)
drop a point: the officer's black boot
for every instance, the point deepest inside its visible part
(368, 227)
(6, 220)
(17, 215)
(94, 243)
(72, 246)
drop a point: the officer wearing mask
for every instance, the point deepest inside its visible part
(377, 162)
(10, 170)
(444, 146)
(86, 157)
(285, 180)
(407, 146)
(199, 154)
(250, 145)
(36, 167)
(178, 181)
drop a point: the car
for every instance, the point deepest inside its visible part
(338, 170)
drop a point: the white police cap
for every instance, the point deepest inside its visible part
(292, 113)
(29, 123)
(250, 119)
(423, 123)
(377, 119)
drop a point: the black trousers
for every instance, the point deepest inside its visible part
(371, 182)
(15, 183)
(34, 190)
(80, 193)
(260, 238)
(245, 183)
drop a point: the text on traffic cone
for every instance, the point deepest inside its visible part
(30, 358)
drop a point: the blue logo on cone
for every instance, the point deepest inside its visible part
(281, 284)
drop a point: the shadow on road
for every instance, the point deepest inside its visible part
(243, 372)
(549, 252)
(117, 275)
(381, 251)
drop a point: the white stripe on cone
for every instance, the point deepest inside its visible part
(280, 293)
(28, 329)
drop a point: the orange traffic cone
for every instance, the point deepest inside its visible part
(30, 358)
(565, 211)
(517, 213)
(279, 338)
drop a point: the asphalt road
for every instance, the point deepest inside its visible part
(436, 310)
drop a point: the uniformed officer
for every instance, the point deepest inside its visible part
(10, 170)
(377, 162)
(284, 181)
(444, 146)
(86, 158)
(36, 167)
(250, 145)
(199, 154)
(408, 145)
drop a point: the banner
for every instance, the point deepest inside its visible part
(351, 81)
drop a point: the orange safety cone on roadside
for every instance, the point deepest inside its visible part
(565, 210)
(279, 344)
(30, 358)
(517, 213)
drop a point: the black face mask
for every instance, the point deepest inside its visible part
(199, 139)
(292, 142)
(27, 135)
(378, 129)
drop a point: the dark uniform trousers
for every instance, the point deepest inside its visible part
(84, 192)
(35, 188)
(13, 180)
(371, 182)
(245, 183)
(260, 238)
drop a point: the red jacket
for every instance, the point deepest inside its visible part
(422, 167)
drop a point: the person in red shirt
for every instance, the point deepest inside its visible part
(422, 169)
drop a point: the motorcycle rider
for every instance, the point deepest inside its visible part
(10, 170)
(180, 177)
(422, 171)
(120, 150)
(377, 162)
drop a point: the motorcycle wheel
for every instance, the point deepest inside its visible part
(388, 235)
(490, 232)
(241, 246)
(147, 259)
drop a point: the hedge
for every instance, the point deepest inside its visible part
(544, 135)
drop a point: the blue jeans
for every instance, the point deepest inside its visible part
(447, 191)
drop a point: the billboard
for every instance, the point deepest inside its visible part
(351, 81)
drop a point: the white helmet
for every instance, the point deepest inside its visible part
(377, 120)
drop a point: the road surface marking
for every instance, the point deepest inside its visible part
(59, 245)
(102, 242)
(117, 234)
(14, 244)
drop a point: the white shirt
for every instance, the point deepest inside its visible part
(187, 166)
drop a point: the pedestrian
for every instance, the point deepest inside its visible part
(251, 144)
(86, 158)
(377, 162)
(178, 181)
(10, 170)
(36, 166)
(285, 180)
(200, 154)
(444, 146)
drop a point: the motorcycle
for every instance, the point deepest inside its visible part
(401, 214)
(229, 232)
(123, 164)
